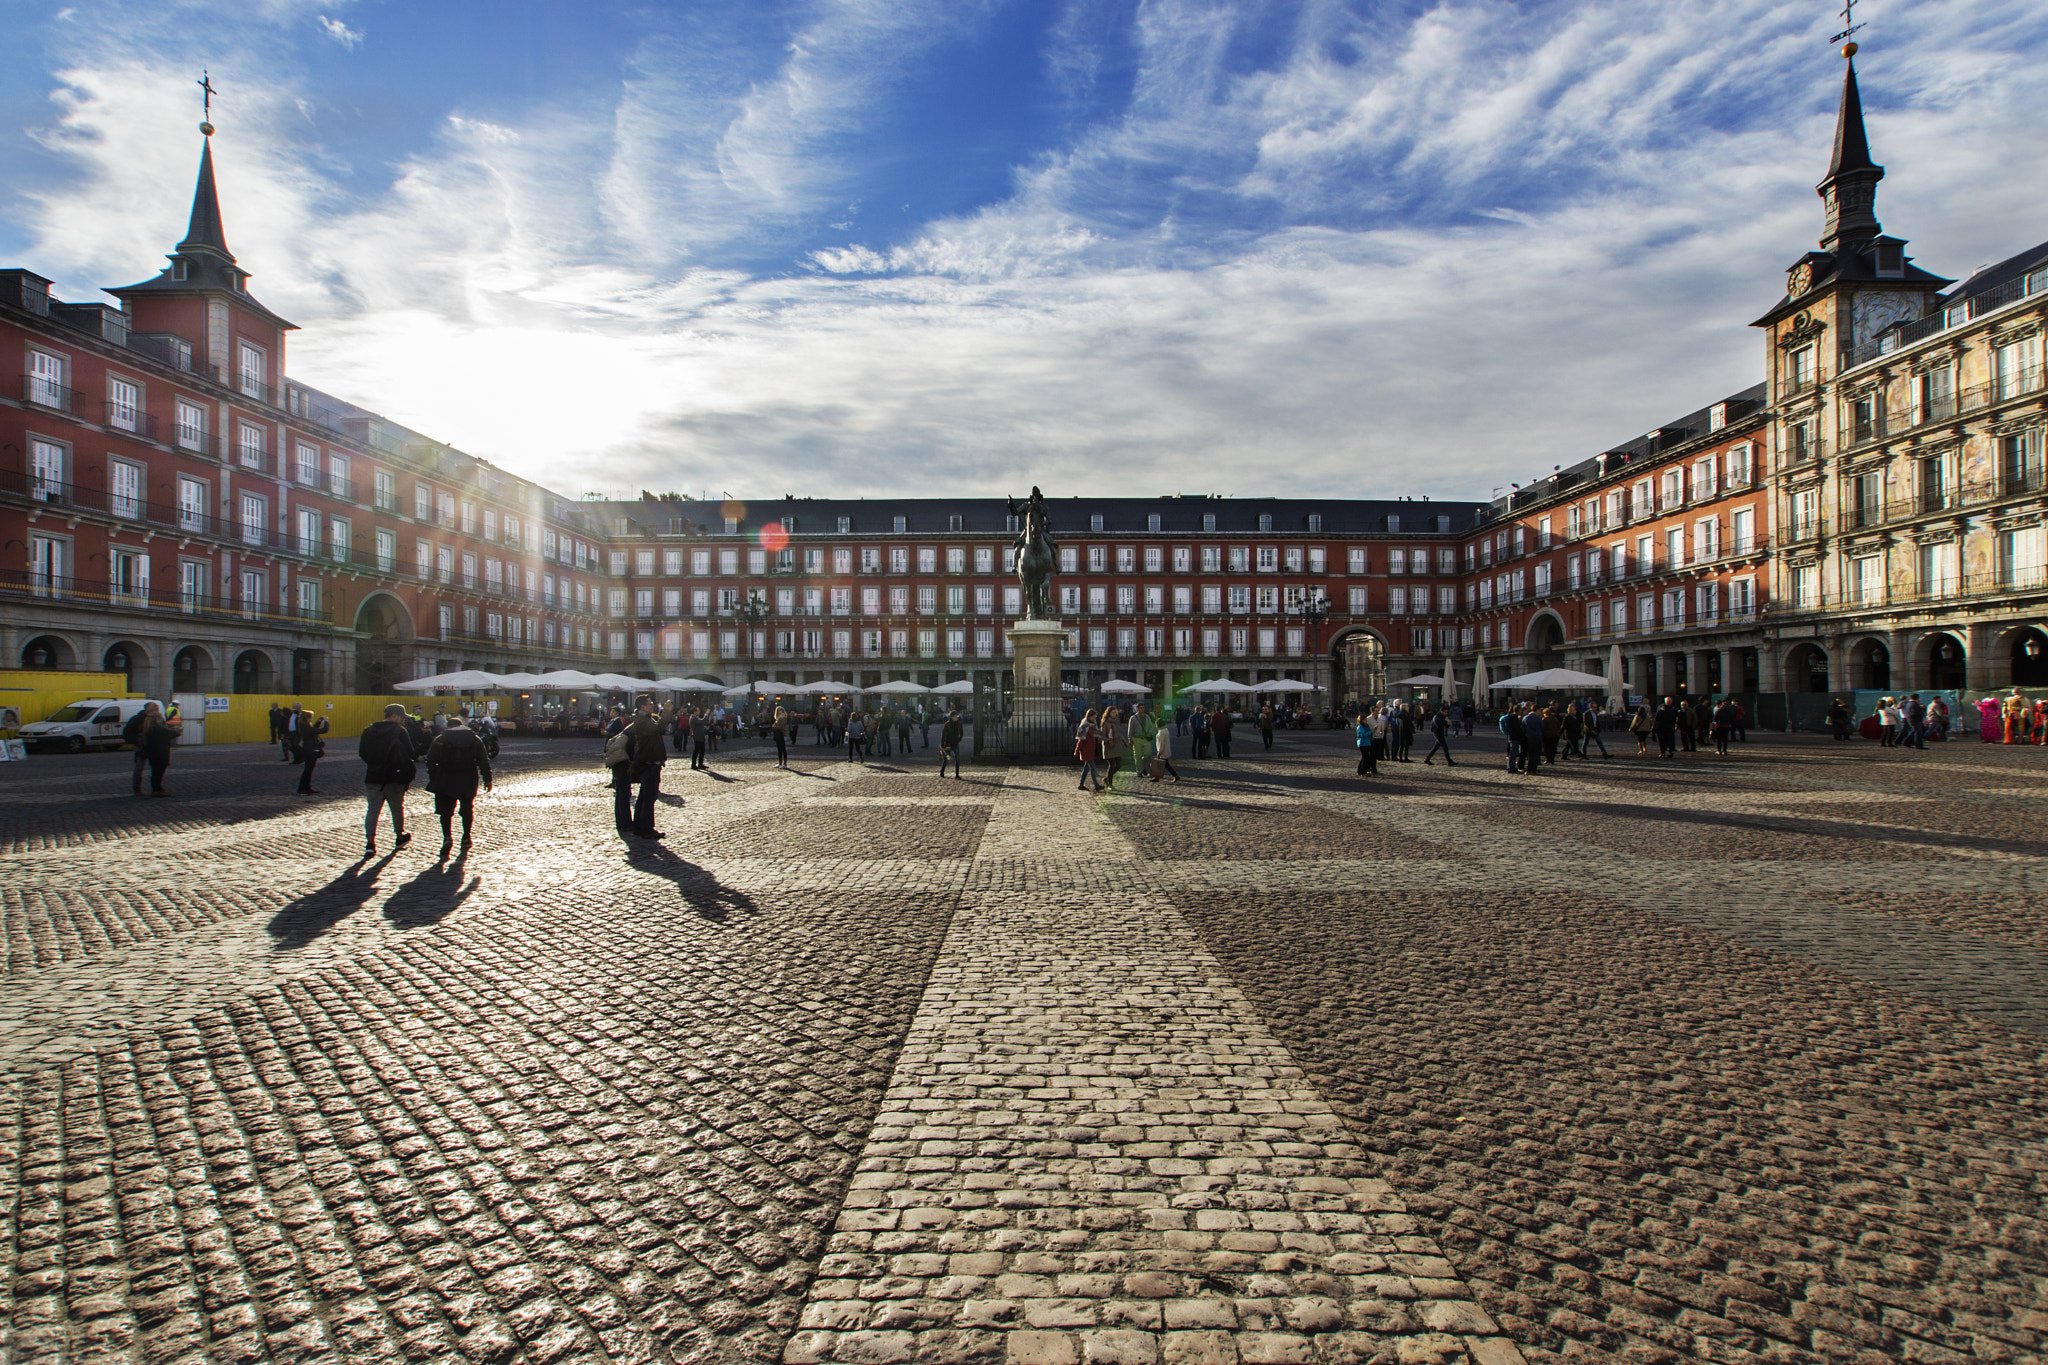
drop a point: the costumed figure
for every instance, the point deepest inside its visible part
(1988, 727)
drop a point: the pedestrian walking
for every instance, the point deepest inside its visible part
(308, 745)
(151, 735)
(778, 726)
(950, 736)
(386, 751)
(700, 738)
(1162, 752)
(1088, 748)
(645, 755)
(1590, 731)
(1440, 731)
(1639, 725)
(1368, 760)
(1665, 723)
(1511, 730)
(1724, 727)
(856, 736)
(1266, 724)
(1532, 739)
(456, 763)
(1220, 724)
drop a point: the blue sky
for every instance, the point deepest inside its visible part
(926, 246)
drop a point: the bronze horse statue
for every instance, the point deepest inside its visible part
(1035, 546)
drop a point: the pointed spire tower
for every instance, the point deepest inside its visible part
(204, 232)
(1860, 281)
(199, 314)
(1850, 190)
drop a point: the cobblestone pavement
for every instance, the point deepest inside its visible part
(1702, 1059)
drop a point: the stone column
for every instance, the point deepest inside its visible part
(1905, 677)
(1984, 673)
(1770, 665)
(1698, 680)
(1037, 727)
(1838, 662)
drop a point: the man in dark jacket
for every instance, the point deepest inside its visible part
(1219, 730)
(456, 762)
(386, 748)
(150, 733)
(309, 743)
(1440, 730)
(645, 754)
(950, 736)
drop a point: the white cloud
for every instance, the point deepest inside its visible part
(1431, 255)
(336, 31)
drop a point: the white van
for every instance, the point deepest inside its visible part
(84, 724)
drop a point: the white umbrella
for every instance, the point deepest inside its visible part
(1123, 687)
(1555, 678)
(1616, 688)
(620, 682)
(764, 687)
(426, 684)
(1422, 680)
(691, 685)
(1450, 681)
(467, 680)
(826, 688)
(902, 687)
(1479, 682)
(516, 680)
(1284, 685)
(565, 680)
(953, 689)
(1216, 685)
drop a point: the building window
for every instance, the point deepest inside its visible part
(253, 368)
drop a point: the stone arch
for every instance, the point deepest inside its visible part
(1806, 668)
(2021, 655)
(1870, 664)
(1546, 637)
(1360, 657)
(127, 656)
(254, 671)
(384, 629)
(193, 669)
(1941, 659)
(49, 650)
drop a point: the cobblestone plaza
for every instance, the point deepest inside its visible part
(1703, 1059)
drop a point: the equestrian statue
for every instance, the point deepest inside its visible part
(1035, 546)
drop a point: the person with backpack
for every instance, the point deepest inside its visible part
(151, 735)
(456, 762)
(386, 750)
(308, 745)
(950, 736)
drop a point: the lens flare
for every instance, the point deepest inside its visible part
(772, 536)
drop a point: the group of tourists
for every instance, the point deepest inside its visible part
(1113, 740)
(457, 761)
(1682, 724)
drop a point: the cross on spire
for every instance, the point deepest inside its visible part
(1849, 24)
(205, 83)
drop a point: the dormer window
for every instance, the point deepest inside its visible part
(179, 269)
(1890, 259)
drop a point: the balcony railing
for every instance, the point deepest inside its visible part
(20, 583)
(44, 392)
(133, 420)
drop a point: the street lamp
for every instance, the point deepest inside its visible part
(756, 611)
(1314, 610)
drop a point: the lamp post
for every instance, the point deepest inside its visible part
(756, 611)
(1314, 610)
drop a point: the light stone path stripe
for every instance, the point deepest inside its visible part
(1780, 906)
(1092, 1150)
(78, 1006)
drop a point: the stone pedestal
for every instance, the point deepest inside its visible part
(1038, 720)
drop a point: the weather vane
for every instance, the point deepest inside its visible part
(205, 83)
(1849, 24)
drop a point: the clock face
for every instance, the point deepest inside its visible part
(1800, 280)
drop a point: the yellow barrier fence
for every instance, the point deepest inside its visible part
(247, 718)
(40, 692)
